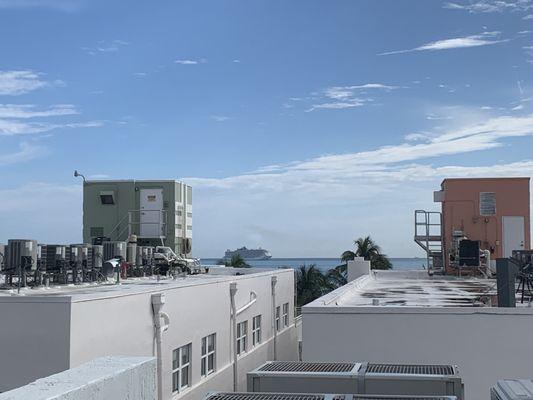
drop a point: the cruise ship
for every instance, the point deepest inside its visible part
(248, 254)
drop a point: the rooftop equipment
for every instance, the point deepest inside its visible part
(21, 253)
(356, 378)
(2, 254)
(313, 396)
(512, 389)
(114, 250)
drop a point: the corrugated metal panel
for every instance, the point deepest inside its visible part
(410, 369)
(318, 367)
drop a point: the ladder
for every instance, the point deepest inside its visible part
(428, 235)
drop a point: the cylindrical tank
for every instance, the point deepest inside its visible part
(21, 253)
(114, 250)
(131, 253)
(139, 256)
(98, 256)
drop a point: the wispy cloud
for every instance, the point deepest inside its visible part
(13, 83)
(18, 127)
(341, 97)
(491, 6)
(60, 5)
(21, 111)
(25, 152)
(527, 17)
(219, 118)
(483, 39)
(105, 46)
(190, 62)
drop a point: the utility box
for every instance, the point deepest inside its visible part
(157, 212)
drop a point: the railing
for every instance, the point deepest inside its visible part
(428, 235)
(131, 223)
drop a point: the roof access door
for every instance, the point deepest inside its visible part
(151, 219)
(513, 235)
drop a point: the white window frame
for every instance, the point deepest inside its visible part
(278, 315)
(286, 315)
(178, 368)
(256, 330)
(207, 354)
(242, 337)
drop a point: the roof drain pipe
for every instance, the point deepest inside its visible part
(158, 301)
(273, 283)
(232, 292)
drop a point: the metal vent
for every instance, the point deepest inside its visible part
(410, 369)
(267, 396)
(307, 367)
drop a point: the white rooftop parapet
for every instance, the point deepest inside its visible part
(117, 378)
(357, 268)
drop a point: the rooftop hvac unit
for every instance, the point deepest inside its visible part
(313, 396)
(97, 256)
(53, 256)
(21, 253)
(2, 255)
(360, 378)
(512, 389)
(131, 253)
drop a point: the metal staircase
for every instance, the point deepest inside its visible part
(428, 235)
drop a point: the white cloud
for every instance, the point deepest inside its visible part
(17, 127)
(348, 96)
(190, 62)
(29, 111)
(490, 6)
(26, 152)
(219, 118)
(527, 17)
(483, 39)
(140, 74)
(105, 46)
(20, 82)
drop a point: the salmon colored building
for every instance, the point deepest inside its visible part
(493, 211)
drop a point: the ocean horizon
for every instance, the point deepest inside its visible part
(324, 264)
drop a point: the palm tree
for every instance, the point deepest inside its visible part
(236, 261)
(310, 284)
(370, 251)
(337, 276)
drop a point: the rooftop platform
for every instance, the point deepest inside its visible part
(131, 286)
(411, 289)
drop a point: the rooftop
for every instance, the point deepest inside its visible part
(410, 289)
(131, 286)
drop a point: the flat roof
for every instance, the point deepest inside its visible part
(132, 286)
(130, 180)
(409, 289)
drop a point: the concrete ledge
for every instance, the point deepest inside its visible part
(117, 378)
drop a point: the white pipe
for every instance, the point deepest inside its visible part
(273, 283)
(253, 299)
(232, 292)
(487, 262)
(158, 300)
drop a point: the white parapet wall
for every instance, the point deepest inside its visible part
(117, 378)
(357, 268)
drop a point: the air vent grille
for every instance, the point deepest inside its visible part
(266, 396)
(307, 367)
(410, 369)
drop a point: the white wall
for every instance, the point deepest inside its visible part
(117, 378)
(34, 337)
(486, 343)
(124, 326)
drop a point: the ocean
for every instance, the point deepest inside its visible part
(324, 264)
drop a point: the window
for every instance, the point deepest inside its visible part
(107, 197)
(181, 368)
(189, 215)
(208, 354)
(256, 330)
(242, 337)
(278, 312)
(189, 227)
(286, 314)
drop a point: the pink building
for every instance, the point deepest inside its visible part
(493, 211)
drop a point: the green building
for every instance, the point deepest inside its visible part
(157, 212)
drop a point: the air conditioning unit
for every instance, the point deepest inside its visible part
(356, 378)
(512, 389)
(304, 377)
(313, 396)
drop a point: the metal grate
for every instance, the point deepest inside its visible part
(410, 369)
(378, 397)
(307, 367)
(264, 396)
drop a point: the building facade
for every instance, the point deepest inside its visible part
(51, 330)
(156, 212)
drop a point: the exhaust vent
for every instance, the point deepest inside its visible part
(410, 369)
(318, 367)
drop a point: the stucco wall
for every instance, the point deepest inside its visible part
(116, 378)
(34, 333)
(487, 344)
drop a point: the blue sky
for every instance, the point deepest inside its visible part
(301, 125)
